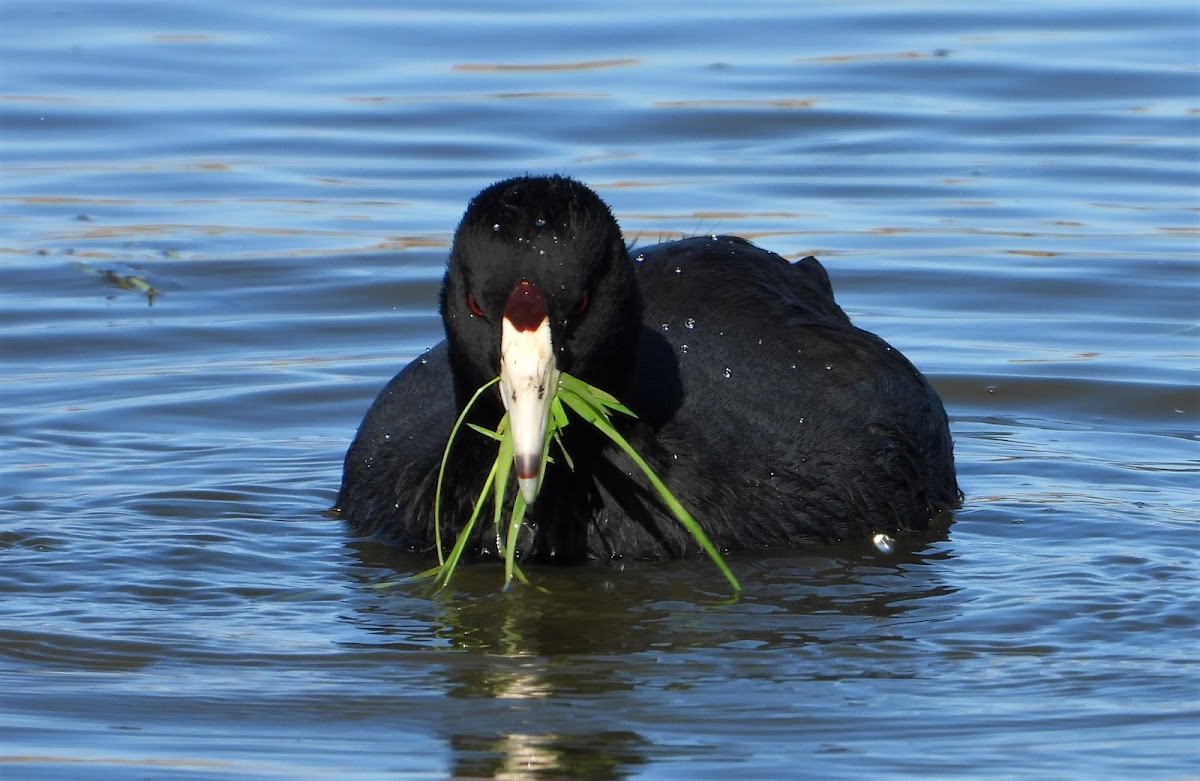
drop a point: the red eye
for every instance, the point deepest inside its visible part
(580, 305)
(474, 306)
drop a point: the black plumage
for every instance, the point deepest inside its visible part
(765, 411)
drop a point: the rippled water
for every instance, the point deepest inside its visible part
(222, 229)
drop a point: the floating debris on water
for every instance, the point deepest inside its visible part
(130, 282)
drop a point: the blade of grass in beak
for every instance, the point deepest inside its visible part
(592, 411)
(514, 527)
(593, 405)
(437, 496)
(447, 568)
(598, 398)
(558, 421)
(502, 468)
(487, 432)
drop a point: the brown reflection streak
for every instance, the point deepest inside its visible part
(740, 103)
(62, 199)
(396, 245)
(1076, 357)
(475, 96)
(870, 56)
(207, 764)
(550, 66)
(182, 38)
(72, 200)
(120, 231)
(38, 99)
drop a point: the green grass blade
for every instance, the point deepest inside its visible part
(524, 581)
(437, 496)
(588, 410)
(558, 415)
(562, 448)
(447, 568)
(558, 421)
(593, 405)
(487, 432)
(514, 527)
(596, 397)
(503, 466)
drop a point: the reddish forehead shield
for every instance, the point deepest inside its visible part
(526, 307)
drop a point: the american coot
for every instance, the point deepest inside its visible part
(767, 414)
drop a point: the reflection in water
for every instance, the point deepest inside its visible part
(515, 748)
(525, 662)
(603, 755)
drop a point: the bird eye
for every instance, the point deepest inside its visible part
(580, 306)
(473, 305)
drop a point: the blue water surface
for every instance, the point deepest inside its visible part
(222, 229)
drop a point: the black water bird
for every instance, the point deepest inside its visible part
(772, 418)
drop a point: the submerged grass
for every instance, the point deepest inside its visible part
(593, 406)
